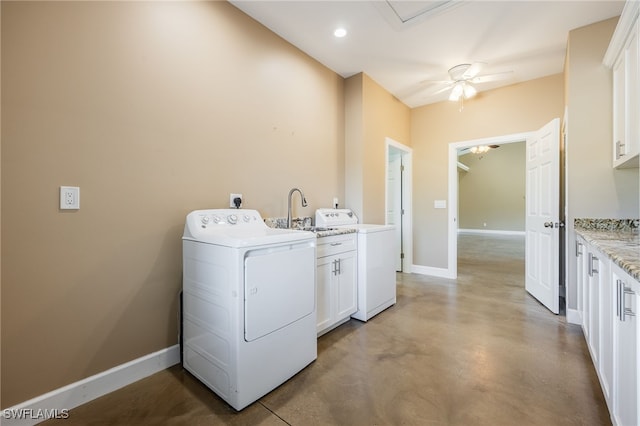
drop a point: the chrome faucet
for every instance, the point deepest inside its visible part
(304, 204)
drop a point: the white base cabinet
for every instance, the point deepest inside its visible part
(336, 281)
(607, 301)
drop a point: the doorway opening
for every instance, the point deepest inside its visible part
(398, 198)
(454, 149)
(543, 224)
(491, 189)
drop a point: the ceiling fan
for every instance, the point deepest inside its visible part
(480, 149)
(463, 78)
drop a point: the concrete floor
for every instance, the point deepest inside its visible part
(473, 351)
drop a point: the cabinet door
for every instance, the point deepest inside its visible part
(619, 142)
(586, 299)
(625, 407)
(632, 128)
(607, 315)
(324, 277)
(626, 103)
(346, 285)
(580, 279)
(593, 262)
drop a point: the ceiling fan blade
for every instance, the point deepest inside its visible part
(440, 90)
(473, 70)
(432, 82)
(491, 77)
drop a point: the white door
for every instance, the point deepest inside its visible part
(394, 201)
(542, 273)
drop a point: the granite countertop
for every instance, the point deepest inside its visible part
(616, 238)
(304, 224)
(331, 232)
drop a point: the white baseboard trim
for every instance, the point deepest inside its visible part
(574, 317)
(435, 272)
(489, 231)
(56, 403)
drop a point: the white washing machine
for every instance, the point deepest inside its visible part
(376, 265)
(249, 319)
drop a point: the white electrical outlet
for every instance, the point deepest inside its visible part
(232, 197)
(69, 198)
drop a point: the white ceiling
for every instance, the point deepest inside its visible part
(403, 45)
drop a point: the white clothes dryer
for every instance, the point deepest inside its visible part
(248, 303)
(376, 267)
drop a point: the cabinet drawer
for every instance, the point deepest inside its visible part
(327, 246)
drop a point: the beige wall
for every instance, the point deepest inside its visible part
(373, 114)
(491, 195)
(513, 109)
(595, 189)
(156, 109)
(354, 144)
(153, 109)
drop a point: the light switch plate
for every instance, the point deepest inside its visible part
(440, 204)
(69, 198)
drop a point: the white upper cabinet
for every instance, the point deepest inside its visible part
(623, 56)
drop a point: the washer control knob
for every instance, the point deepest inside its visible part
(205, 219)
(232, 219)
(246, 218)
(216, 219)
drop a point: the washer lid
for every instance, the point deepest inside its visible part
(237, 228)
(244, 237)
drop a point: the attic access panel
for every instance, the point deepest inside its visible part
(402, 13)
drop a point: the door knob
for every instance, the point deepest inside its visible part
(548, 224)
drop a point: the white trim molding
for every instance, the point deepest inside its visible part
(407, 198)
(57, 403)
(623, 29)
(574, 317)
(431, 271)
(490, 231)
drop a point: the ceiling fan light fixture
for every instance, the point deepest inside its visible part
(462, 89)
(480, 149)
(469, 91)
(457, 92)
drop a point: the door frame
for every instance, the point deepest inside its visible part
(452, 255)
(407, 200)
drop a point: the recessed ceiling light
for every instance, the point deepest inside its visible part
(340, 32)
